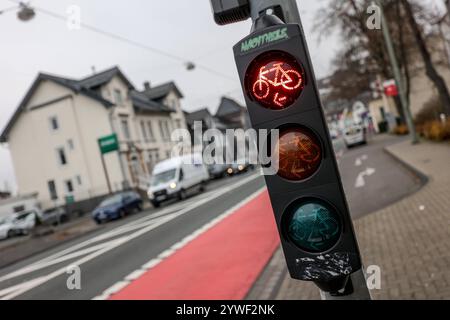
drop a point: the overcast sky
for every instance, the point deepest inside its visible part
(185, 28)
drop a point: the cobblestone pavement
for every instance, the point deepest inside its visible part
(409, 240)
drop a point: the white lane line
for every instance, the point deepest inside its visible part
(359, 160)
(131, 226)
(360, 182)
(118, 242)
(134, 275)
(151, 263)
(177, 246)
(36, 267)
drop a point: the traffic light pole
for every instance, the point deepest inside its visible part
(287, 11)
(288, 8)
(398, 78)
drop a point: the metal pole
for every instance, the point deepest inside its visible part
(106, 174)
(398, 78)
(289, 7)
(291, 15)
(124, 181)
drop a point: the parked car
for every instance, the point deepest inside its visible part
(54, 216)
(354, 135)
(17, 224)
(117, 206)
(240, 166)
(176, 178)
(217, 170)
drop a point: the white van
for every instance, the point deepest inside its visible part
(177, 178)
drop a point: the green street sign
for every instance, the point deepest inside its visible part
(70, 199)
(108, 143)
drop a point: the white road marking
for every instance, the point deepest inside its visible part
(177, 246)
(359, 160)
(360, 182)
(16, 290)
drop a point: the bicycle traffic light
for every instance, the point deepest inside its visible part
(307, 196)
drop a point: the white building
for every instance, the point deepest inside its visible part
(53, 135)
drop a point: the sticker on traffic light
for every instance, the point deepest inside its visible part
(275, 80)
(313, 226)
(299, 153)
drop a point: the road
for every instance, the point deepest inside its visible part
(119, 251)
(387, 180)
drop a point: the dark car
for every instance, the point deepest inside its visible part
(54, 217)
(117, 206)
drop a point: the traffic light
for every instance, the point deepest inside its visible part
(307, 196)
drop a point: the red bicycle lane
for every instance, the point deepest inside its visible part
(220, 264)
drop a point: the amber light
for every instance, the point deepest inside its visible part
(275, 80)
(299, 154)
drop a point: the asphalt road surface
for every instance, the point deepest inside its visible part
(372, 180)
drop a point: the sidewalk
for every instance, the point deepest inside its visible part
(409, 240)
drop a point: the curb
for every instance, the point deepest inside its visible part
(424, 179)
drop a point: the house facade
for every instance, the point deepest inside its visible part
(229, 115)
(53, 135)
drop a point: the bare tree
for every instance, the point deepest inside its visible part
(367, 46)
(363, 56)
(430, 69)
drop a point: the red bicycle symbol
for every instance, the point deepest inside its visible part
(276, 76)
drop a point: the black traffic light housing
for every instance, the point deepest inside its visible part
(230, 11)
(329, 254)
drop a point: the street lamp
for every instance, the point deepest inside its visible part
(25, 13)
(189, 66)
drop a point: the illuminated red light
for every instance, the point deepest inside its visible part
(275, 80)
(299, 153)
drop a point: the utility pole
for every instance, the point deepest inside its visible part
(397, 75)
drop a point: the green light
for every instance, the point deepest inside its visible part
(314, 227)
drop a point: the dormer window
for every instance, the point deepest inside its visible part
(173, 104)
(118, 99)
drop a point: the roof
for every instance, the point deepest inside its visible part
(71, 84)
(198, 115)
(145, 101)
(142, 103)
(228, 107)
(104, 77)
(161, 91)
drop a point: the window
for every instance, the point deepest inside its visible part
(70, 144)
(69, 186)
(150, 131)
(167, 154)
(52, 190)
(118, 97)
(125, 129)
(164, 129)
(161, 130)
(178, 123)
(78, 178)
(144, 131)
(166, 124)
(62, 159)
(54, 125)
